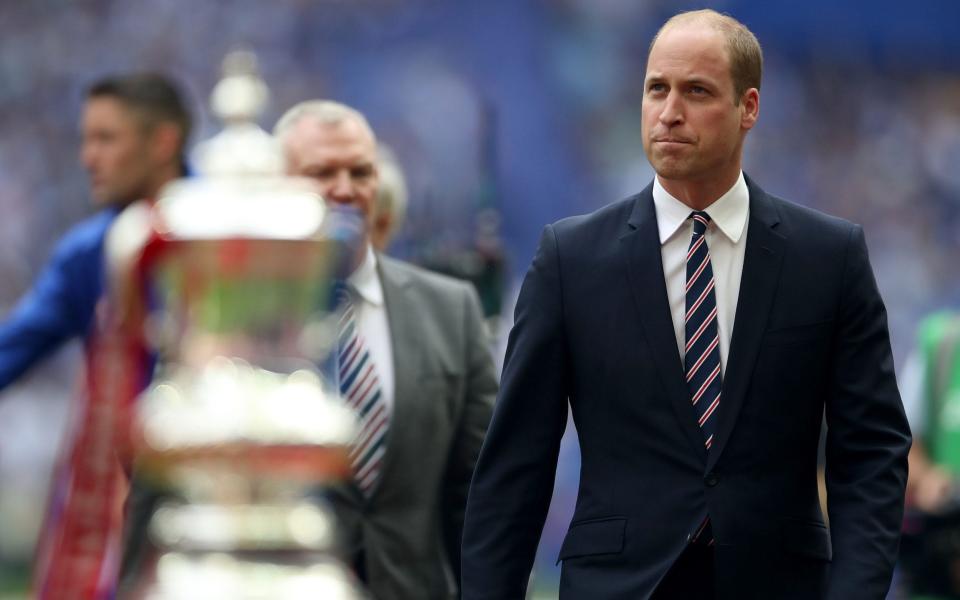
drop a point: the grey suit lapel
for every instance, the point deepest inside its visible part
(762, 260)
(406, 358)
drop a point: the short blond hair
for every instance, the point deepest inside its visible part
(746, 57)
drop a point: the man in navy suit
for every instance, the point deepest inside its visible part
(698, 331)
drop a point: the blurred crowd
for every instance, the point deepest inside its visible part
(504, 116)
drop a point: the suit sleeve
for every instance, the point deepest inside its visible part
(514, 478)
(43, 319)
(867, 439)
(479, 395)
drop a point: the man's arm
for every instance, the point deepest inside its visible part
(42, 320)
(867, 439)
(514, 478)
(479, 394)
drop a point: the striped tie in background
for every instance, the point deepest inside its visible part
(360, 388)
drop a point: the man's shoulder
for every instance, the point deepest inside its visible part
(617, 212)
(87, 235)
(607, 221)
(408, 273)
(803, 220)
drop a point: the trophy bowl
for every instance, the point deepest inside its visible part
(229, 283)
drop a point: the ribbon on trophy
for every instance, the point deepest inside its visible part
(78, 553)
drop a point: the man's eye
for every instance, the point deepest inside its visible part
(698, 90)
(656, 87)
(363, 173)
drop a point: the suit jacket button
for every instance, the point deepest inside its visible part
(711, 479)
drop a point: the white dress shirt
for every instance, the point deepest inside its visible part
(372, 320)
(726, 239)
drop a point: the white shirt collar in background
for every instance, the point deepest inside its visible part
(365, 281)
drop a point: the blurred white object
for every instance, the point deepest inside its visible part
(238, 100)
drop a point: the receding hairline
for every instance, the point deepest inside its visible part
(744, 54)
(719, 22)
(326, 112)
(151, 98)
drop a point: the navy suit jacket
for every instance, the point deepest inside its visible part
(593, 330)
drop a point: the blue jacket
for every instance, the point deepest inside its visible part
(61, 304)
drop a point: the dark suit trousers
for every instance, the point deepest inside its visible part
(691, 577)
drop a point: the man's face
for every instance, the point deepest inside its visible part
(341, 157)
(693, 126)
(115, 152)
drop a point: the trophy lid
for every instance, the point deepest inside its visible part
(241, 95)
(242, 148)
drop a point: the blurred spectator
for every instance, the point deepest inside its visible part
(390, 207)
(414, 363)
(930, 384)
(134, 130)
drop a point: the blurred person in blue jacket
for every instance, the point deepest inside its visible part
(134, 129)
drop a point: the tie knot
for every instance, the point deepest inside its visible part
(700, 221)
(342, 294)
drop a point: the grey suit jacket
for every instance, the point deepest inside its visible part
(408, 533)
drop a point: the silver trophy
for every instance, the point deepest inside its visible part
(228, 279)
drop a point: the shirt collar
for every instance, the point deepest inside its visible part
(729, 211)
(364, 279)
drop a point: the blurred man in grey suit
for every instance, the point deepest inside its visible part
(414, 361)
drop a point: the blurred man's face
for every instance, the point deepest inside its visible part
(341, 157)
(115, 152)
(693, 127)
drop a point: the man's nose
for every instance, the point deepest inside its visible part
(672, 110)
(341, 188)
(87, 156)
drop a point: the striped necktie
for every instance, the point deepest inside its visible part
(702, 350)
(360, 388)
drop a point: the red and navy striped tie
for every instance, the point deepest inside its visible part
(360, 388)
(702, 351)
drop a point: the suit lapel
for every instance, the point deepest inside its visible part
(762, 260)
(640, 247)
(406, 358)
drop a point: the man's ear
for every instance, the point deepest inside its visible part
(750, 102)
(166, 142)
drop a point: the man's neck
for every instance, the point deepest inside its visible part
(360, 255)
(163, 177)
(699, 194)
